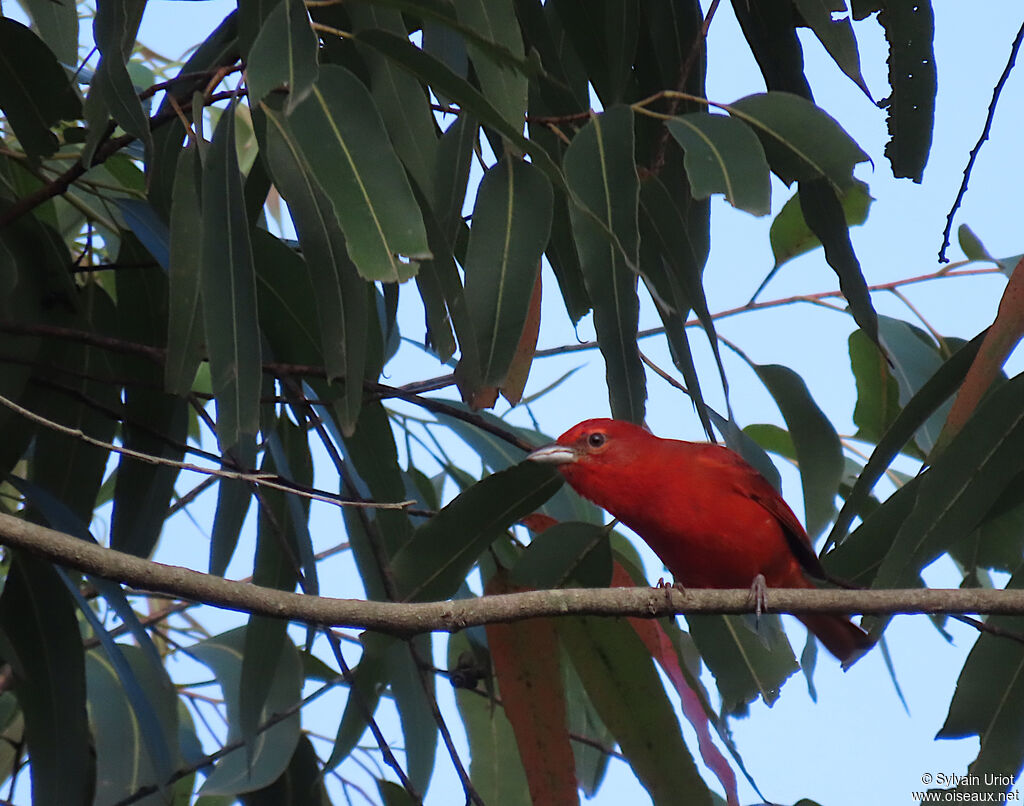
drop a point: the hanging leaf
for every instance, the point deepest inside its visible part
(600, 171)
(228, 285)
(344, 141)
(723, 155)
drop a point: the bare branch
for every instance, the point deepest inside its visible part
(406, 619)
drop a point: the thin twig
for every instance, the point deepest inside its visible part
(1014, 49)
(266, 480)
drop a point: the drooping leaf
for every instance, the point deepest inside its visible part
(272, 749)
(343, 139)
(525, 656)
(621, 681)
(910, 30)
(800, 139)
(404, 105)
(228, 285)
(34, 90)
(112, 93)
(745, 665)
(1002, 337)
(877, 391)
(284, 53)
(495, 767)
(57, 24)
(496, 20)
(434, 563)
(915, 358)
(184, 316)
(301, 783)
(123, 764)
(818, 449)
(600, 171)
(989, 695)
(571, 551)
(156, 423)
(790, 236)
(830, 24)
(961, 486)
(50, 678)
(723, 155)
(511, 222)
(918, 409)
(412, 689)
(340, 294)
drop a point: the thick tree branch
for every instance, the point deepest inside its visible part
(451, 616)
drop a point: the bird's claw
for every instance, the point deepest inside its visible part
(758, 593)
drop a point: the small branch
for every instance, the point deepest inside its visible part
(405, 619)
(1014, 49)
(272, 481)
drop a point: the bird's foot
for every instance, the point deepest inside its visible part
(758, 592)
(676, 585)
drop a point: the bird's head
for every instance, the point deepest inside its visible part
(595, 452)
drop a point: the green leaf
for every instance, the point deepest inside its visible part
(823, 212)
(930, 396)
(989, 697)
(723, 155)
(496, 20)
(34, 90)
(123, 763)
(746, 665)
(877, 391)
(435, 562)
(790, 236)
(495, 767)
(184, 315)
(57, 24)
(272, 749)
(800, 139)
(567, 552)
(818, 450)
(971, 244)
(915, 359)
(266, 639)
(369, 679)
(228, 284)
(143, 490)
(624, 687)
(413, 701)
(404, 105)
(339, 293)
(828, 20)
(511, 222)
(112, 93)
(961, 487)
(442, 80)
(601, 174)
(50, 680)
(342, 136)
(284, 53)
(301, 784)
(910, 30)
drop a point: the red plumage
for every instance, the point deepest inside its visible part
(712, 518)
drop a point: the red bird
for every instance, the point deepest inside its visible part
(712, 519)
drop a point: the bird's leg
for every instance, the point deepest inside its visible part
(758, 591)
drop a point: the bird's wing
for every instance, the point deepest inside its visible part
(748, 482)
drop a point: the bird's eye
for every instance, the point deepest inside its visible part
(596, 440)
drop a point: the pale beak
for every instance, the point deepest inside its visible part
(553, 454)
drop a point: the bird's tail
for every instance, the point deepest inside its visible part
(841, 637)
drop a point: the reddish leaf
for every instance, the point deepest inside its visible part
(1006, 331)
(519, 369)
(538, 522)
(660, 646)
(525, 656)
